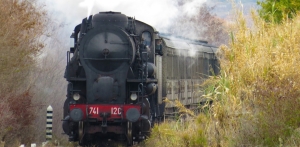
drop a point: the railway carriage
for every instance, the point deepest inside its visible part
(186, 65)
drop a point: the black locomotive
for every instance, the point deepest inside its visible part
(120, 71)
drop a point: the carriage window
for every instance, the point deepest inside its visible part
(147, 38)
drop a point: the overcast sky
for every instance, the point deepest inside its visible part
(158, 13)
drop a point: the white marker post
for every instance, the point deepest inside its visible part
(49, 123)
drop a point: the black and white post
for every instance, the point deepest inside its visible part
(49, 123)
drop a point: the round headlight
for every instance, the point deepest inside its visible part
(76, 96)
(133, 96)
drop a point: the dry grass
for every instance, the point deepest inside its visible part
(179, 134)
(256, 96)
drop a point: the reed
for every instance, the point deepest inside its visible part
(256, 97)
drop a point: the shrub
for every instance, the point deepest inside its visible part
(256, 97)
(260, 67)
(22, 24)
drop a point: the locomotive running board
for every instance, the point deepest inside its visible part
(139, 80)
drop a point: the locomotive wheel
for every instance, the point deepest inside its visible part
(129, 133)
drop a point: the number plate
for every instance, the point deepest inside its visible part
(113, 110)
(95, 110)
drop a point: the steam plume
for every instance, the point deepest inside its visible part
(89, 4)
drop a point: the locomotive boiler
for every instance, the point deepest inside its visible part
(120, 70)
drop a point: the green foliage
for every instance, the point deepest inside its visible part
(277, 10)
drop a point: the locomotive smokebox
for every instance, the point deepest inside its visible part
(110, 18)
(106, 51)
(105, 89)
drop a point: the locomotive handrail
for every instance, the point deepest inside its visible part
(68, 62)
(139, 80)
(77, 79)
(124, 43)
(107, 59)
(75, 90)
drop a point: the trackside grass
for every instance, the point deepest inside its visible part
(256, 96)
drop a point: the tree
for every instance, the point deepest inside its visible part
(22, 25)
(277, 10)
(204, 25)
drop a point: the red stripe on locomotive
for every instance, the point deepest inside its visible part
(94, 111)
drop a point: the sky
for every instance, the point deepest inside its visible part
(158, 13)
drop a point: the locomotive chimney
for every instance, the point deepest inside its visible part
(110, 18)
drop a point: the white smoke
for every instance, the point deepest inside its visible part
(155, 13)
(191, 8)
(89, 4)
(158, 13)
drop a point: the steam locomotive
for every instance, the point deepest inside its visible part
(120, 69)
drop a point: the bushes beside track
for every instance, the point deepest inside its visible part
(256, 96)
